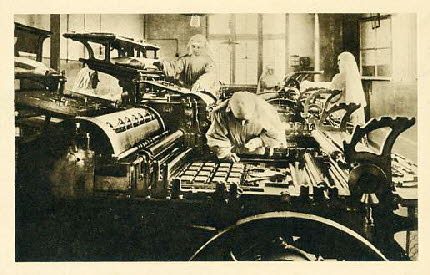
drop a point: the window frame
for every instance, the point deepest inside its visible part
(376, 48)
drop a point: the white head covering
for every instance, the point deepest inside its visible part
(268, 79)
(269, 68)
(349, 73)
(254, 109)
(203, 42)
(242, 105)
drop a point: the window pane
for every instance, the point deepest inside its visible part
(246, 24)
(383, 34)
(76, 50)
(220, 54)
(368, 62)
(368, 57)
(368, 70)
(246, 71)
(92, 22)
(383, 57)
(219, 24)
(129, 25)
(367, 35)
(246, 49)
(273, 24)
(274, 55)
(246, 62)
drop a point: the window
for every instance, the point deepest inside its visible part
(234, 41)
(219, 24)
(375, 47)
(246, 62)
(246, 24)
(274, 43)
(220, 53)
(220, 46)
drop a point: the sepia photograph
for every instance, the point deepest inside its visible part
(200, 136)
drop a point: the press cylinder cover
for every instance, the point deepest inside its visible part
(124, 129)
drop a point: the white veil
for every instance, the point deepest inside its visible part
(353, 88)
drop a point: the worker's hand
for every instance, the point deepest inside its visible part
(232, 157)
(253, 144)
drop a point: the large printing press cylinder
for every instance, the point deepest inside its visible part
(116, 154)
(118, 132)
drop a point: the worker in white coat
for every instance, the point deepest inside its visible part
(348, 80)
(245, 121)
(195, 70)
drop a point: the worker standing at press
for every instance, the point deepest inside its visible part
(195, 70)
(348, 81)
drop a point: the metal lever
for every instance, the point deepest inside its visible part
(369, 200)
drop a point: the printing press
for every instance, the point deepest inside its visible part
(326, 192)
